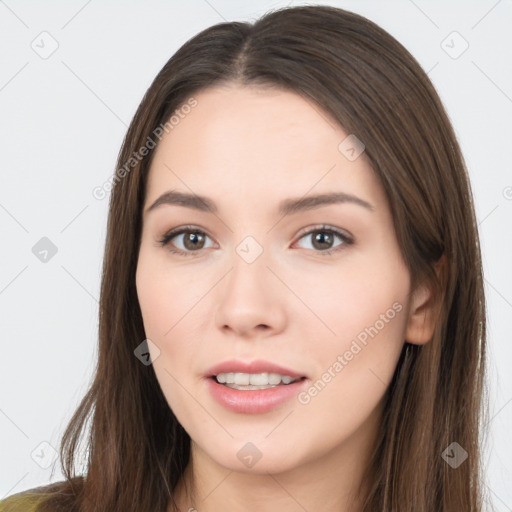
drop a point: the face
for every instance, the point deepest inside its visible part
(258, 271)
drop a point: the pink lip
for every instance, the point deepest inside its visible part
(253, 401)
(258, 366)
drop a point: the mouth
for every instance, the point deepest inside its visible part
(269, 391)
(254, 387)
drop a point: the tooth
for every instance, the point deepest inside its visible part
(254, 379)
(242, 379)
(274, 378)
(248, 388)
(259, 379)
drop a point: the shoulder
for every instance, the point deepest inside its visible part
(25, 501)
(30, 499)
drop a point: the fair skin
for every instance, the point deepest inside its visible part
(247, 149)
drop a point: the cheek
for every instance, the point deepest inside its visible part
(365, 291)
(152, 296)
(164, 307)
(358, 333)
(166, 295)
(170, 301)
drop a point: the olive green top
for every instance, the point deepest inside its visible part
(25, 501)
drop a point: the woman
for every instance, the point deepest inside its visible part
(324, 348)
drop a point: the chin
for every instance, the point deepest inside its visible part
(253, 458)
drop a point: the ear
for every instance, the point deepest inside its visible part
(424, 309)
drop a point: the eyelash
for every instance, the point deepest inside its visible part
(164, 241)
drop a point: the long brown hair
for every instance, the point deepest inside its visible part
(364, 78)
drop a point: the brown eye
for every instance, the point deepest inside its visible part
(187, 240)
(323, 239)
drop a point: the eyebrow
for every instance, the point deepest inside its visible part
(285, 207)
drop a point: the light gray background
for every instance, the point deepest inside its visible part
(62, 120)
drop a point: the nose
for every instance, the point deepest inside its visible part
(251, 300)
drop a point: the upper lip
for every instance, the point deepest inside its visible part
(257, 366)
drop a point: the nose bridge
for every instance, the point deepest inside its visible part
(249, 267)
(250, 296)
(250, 249)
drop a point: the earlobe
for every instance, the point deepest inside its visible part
(424, 309)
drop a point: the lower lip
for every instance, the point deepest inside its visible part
(254, 401)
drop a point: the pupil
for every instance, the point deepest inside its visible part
(191, 239)
(322, 238)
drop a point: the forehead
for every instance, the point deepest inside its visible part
(253, 142)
